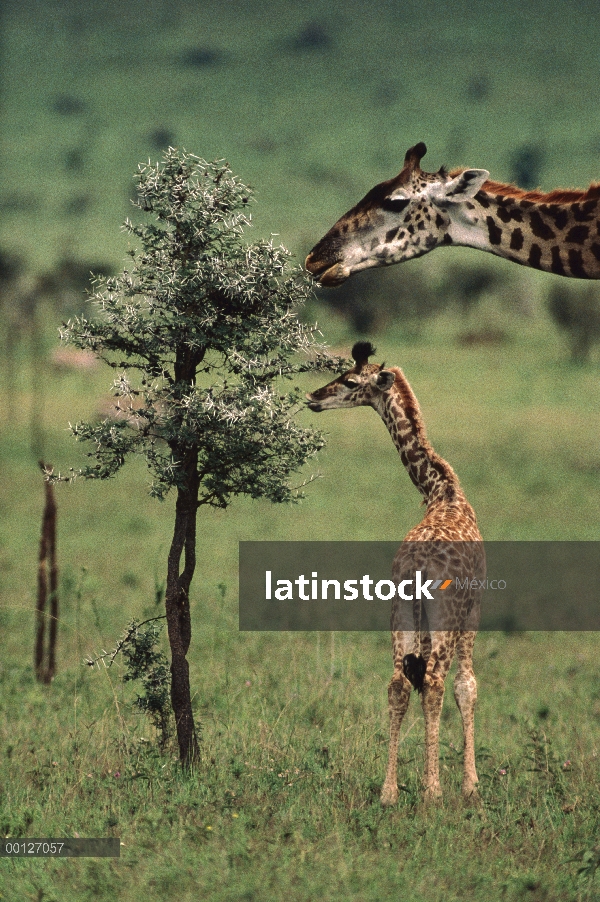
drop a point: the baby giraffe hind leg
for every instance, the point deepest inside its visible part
(442, 653)
(398, 698)
(465, 694)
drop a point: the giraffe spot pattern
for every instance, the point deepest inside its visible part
(576, 264)
(516, 240)
(506, 214)
(558, 214)
(557, 264)
(584, 212)
(535, 256)
(578, 234)
(494, 231)
(595, 249)
(540, 228)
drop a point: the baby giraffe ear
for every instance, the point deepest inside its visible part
(384, 380)
(465, 185)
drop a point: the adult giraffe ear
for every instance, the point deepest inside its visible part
(465, 185)
(385, 379)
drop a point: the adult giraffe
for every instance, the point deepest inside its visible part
(418, 211)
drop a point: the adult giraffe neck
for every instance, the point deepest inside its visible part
(551, 232)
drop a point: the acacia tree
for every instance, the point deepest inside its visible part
(201, 329)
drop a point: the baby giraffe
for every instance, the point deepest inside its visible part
(446, 543)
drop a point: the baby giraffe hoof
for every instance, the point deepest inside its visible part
(389, 796)
(471, 795)
(432, 795)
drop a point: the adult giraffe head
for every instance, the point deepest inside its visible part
(558, 232)
(404, 217)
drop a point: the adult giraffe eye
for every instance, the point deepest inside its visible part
(396, 206)
(348, 384)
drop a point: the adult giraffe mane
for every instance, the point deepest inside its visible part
(558, 196)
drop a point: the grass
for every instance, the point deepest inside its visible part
(286, 801)
(294, 726)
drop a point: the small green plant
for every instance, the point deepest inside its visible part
(201, 329)
(543, 760)
(145, 661)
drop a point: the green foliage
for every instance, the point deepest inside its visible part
(202, 328)
(144, 661)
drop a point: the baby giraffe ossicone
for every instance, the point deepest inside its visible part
(446, 544)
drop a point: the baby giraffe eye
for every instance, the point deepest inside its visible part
(350, 383)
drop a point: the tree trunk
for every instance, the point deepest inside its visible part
(177, 605)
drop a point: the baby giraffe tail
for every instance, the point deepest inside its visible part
(414, 667)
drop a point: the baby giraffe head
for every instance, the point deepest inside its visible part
(364, 384)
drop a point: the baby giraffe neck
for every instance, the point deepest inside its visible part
(431, 474)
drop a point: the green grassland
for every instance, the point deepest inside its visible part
(285, 802)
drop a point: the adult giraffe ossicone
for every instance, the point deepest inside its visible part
(446, 543)
(418, 211)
